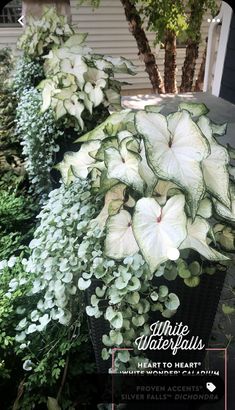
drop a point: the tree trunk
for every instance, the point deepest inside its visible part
(135, 27)
(35, 8)
(200, 79)
(192, 48)
(170, 62)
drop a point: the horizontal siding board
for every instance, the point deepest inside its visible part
(108, 34)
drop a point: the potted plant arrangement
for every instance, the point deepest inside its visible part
(138, 229)
(158, 214)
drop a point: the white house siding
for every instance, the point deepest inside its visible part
(109, 34)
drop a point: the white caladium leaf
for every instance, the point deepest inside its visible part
(145, 171)
(75, 66)
(120, 241)
(95, 93)
(219, 129)
(162, 189)
(215, 166)
(197, 239)
(205, 208)
(75, 108)
(114, 98)
(48, 91)
(175, 148)
(114, 120)
(80, 162)
(75, 40)
(223, 211)
(195, 109)
(154, 108)
(114, 194)
(123, 165)
(121, 65)
(158, 230)
(66, 172)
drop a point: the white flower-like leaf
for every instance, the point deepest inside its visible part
(123, 165)
(157, 229)
(197, 239)
(80, 161)
(222, 210)
(75, 108)
(120, 241)
(114, 194)
(215, 166)
(175, 148)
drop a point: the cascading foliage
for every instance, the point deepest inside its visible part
(155, 177)
(160, 177)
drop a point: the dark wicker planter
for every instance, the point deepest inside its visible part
(197, 310)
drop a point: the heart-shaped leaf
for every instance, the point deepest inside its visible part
(197, 239)
(172, 154)
(159, 229)
(120, 241)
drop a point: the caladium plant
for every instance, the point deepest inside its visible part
(159, 177)
(78, 80)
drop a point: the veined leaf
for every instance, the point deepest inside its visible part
(98, 133)
(223, 211)
(154, 108)
(158, 230)
(75, 40)
(120, 241)
(146, 172)
(75, 108)
(162, 189)
(215, 166)
(197, 239)
(81, 161)
(205, 208)
(124, 165)
(219, 129)
(175, 148)
(195, 109)
(114, 194)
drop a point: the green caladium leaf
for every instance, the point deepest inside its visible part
(195, 109)
(120, 241)
(159, 230)
(171, 154)
(123, 165)
(197, 239)
(215, 166)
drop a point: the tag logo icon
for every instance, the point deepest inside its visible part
(210, 386)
